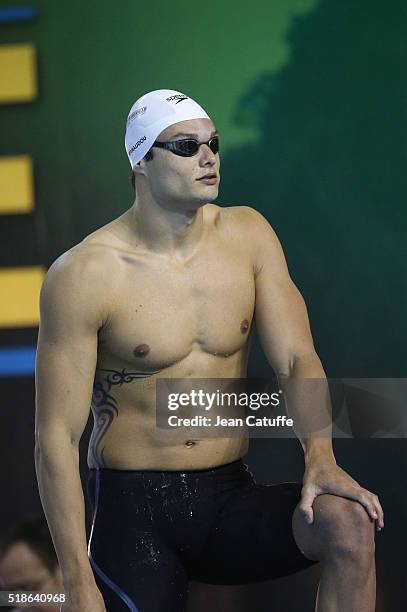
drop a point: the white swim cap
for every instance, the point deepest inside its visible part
(151, 114)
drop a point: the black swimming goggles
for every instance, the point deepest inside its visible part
(187, 147)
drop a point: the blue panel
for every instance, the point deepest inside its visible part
(17, 361)
(17, 13)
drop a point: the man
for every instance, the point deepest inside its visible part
(28, 563)
(170, 290)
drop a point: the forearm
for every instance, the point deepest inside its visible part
(57, 467)
(308, 403)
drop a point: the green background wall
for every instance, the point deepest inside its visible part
(310, 100)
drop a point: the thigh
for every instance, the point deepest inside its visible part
(133, 568)
(252, 539)
(127, 585)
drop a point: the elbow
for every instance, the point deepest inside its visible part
(307, 365)
(37, 444)
(39, 453)
(52, 455)
(299, 365)
(53, 441)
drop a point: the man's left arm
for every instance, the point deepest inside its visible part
(285, 335)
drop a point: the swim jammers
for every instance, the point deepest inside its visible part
(153, 531)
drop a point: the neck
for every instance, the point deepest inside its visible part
(165, 229)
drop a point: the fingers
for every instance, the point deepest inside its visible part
(371, 503)
(368, 500)
(305, 505)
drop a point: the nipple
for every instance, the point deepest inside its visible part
(141, 350)
(244, 326)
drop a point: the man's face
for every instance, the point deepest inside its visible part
(176, 179)
(21, 569)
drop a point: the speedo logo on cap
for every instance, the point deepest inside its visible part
(136, 145)
(136, 113)
(177, 97)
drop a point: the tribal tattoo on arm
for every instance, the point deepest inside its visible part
(105, 405)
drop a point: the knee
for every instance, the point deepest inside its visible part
(346, 528)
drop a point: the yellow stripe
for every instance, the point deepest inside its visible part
(19, 291)
(16, 180)
(18, 73)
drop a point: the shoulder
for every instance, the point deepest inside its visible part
(78, 266)
(77, 285)
(256, 236)
(91, 260)
(245, 221)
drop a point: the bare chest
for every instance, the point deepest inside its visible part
(162, 312)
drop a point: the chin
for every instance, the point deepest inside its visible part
(209, 194)
(208, 200)
(212, 198)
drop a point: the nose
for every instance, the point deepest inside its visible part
(207, 158)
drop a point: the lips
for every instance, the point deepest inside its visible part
(211, 176)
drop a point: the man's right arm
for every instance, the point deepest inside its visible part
(71, 314)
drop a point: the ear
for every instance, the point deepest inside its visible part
(140, 167)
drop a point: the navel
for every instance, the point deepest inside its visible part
(141, 350)
(244, 326)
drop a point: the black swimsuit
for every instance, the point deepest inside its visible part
(153, 531)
